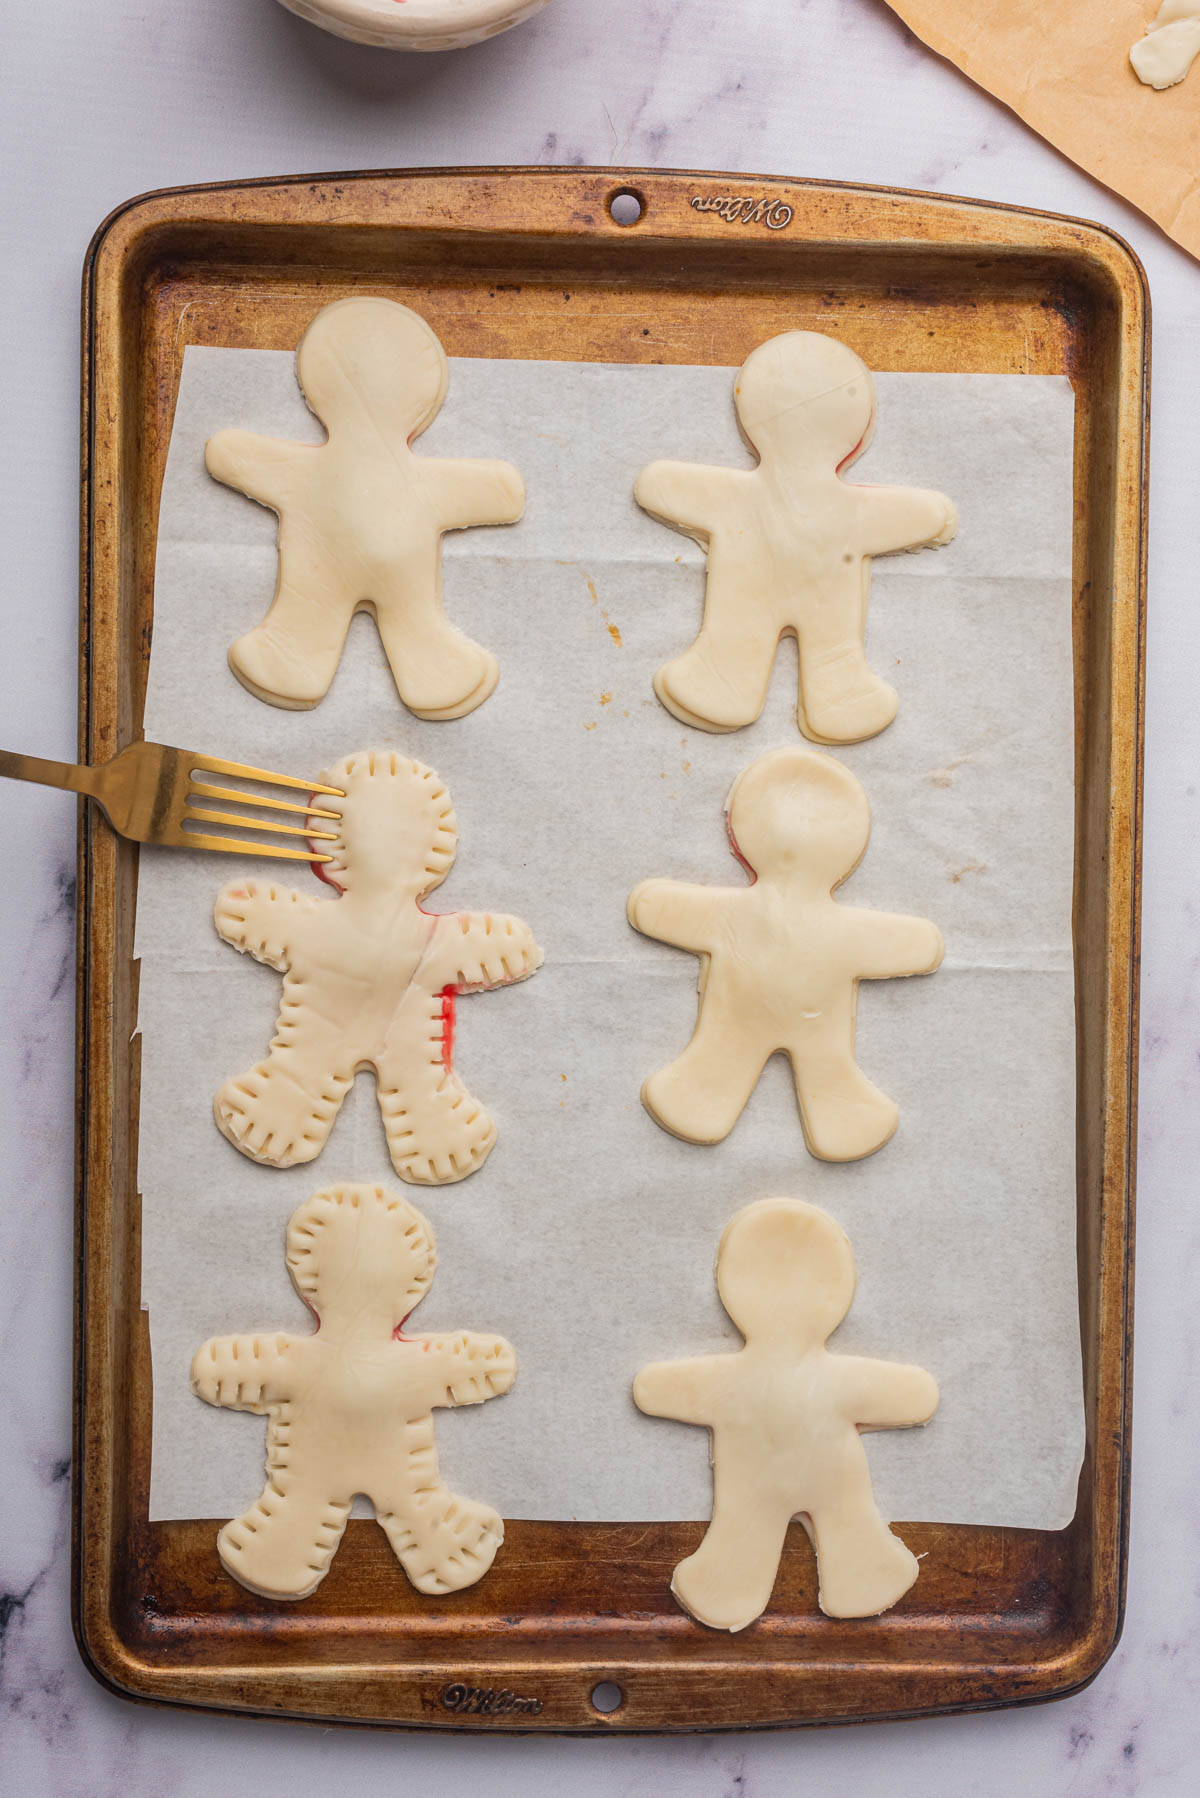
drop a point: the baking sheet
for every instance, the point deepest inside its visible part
(589, 1236)
(1066, 72)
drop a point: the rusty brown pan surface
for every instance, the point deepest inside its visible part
(529, 263)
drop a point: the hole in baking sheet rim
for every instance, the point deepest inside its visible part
(626, 207)
(607, 1697)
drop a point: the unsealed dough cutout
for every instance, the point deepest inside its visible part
(361, 517)
(350, 1406)
(370, 980)
(785, 1417)
(780, 961)
(789, 546)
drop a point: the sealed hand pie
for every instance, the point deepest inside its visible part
(780, 961)
(789, 546)
(370, 979)
(361, 517)
(350, 1405)
(785, 1417)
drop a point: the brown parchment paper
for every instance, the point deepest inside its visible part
(1065, 70)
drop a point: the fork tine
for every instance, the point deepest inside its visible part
(232, 846)
(275, 805)
(211, 765)
(275, 830)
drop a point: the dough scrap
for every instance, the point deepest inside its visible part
(370, 980)
(350, 1406)
(361, 517)
(1172, 41)
(785, 1417)
(790, 545)
(780, 961)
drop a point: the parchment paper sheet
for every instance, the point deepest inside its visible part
(589, 1236)
(1065, 70)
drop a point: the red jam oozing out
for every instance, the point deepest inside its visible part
(318, 868)
(449, 1003)
(733, 844)
(846, 460)
(424, 1343)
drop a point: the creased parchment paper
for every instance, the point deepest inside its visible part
(589, 1237)
(1065, 70)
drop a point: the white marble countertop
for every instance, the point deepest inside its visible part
(106, 98)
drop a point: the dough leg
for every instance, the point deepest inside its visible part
(862, 1568)
(282, 1546)
(292, 656)
(439, 672)
(701, 1096)
(728, 1582)
(274, 1115)
(443, 1542)
(720, 683)
(842, 699)
(436, 1131)
(844, 1116)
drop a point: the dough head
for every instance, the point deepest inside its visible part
(785, 1272)
(397, 831)
(372, 359)
(361, 1243)
(806, 398)
(796, 811)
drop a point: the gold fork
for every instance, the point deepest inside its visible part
(147, 790)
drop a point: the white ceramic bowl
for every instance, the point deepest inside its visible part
(415, 24)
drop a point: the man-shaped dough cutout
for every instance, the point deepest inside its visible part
(789, 546)
(361, 517)
(350, 1405)
(785, 1417)
(370, 980)
(780, 961)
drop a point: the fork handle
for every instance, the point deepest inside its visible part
(67, 775)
